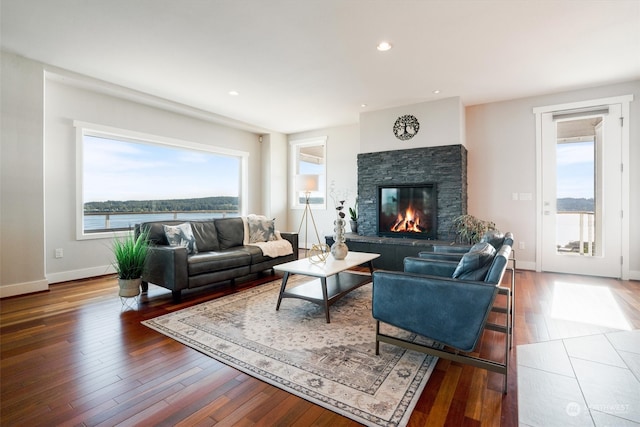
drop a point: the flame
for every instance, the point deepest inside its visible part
(409, 223)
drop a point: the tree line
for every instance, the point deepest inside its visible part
(571, 204)
(215, 203)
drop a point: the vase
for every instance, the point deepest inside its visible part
(354, 226)
(339, 248)
(129, 287)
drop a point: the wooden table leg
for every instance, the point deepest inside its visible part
(282, 287)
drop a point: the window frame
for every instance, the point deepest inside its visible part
(294, 146)
(92, 129)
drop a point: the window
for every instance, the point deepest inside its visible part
(125, 178)
(308, 172)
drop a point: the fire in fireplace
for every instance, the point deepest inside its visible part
(408, 210)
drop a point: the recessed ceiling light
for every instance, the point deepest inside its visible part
(384, 46)
(363, 105)
(234, 93)
(437, 91)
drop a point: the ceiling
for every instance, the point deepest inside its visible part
(306, 64)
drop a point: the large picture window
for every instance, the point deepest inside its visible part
(125, 178)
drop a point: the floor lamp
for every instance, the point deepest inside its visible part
(307, 183)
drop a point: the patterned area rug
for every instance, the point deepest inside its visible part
(333, 365)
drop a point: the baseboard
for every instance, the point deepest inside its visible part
(634, 275)
(65, 276)
(23, 288)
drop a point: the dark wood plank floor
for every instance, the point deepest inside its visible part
(72, 356)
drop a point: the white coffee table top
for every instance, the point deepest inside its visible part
(328, 268)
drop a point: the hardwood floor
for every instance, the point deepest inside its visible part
(72, 356)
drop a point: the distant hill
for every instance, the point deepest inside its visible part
(570, 204)
(226, 203)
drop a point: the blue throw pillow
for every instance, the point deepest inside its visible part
(475, 263)
(181, 235)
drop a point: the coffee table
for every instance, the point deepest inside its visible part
(333, 281)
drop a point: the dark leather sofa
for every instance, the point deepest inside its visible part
(222, 255)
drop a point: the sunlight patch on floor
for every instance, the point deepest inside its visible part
(587, 304)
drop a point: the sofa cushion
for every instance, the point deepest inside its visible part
(261, 228)
(181, 235)
(230, 232)
(206, 235)
(475, 263)
(206, 262)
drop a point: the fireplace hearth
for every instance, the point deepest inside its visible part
(408, 210)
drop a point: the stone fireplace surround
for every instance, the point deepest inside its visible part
(444, 165)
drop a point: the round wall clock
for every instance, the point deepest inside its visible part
(406, 127)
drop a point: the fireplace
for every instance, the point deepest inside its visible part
(408, 210)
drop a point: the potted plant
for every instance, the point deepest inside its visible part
(353, 217)
(469, 229)
(130, 253)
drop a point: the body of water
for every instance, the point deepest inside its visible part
(98, 222)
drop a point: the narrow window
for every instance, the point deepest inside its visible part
(308, 175)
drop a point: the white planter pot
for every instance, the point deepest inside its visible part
(129, 287)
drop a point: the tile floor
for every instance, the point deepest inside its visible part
(591, 380)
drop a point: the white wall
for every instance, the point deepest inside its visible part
(22, 180)
(274, 179)
(442, 122)
(501, 143)
(342, 152)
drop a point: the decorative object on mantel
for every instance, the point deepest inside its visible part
(469, 229)
(130, 254)
(353, 215)
(406, 127)
(339, 249)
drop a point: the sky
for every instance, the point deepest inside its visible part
(575, 170)
(117, 170)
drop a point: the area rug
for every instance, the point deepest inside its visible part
(331, 364)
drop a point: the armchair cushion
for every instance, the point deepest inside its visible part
(474, 264)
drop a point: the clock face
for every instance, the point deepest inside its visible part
(406, 127)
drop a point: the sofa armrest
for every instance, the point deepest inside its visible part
(449, 311)
(293, 239)
(430, 267)
(166, 266)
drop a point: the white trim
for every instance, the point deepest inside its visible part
(86, 128)
(624, 101)
(23, 288)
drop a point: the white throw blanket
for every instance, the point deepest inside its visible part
(275, 248)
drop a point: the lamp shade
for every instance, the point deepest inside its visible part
(307, 182)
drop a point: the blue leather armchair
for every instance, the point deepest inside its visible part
(447, 302)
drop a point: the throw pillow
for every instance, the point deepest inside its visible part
(475, 263)
(261, 228)
(181, 235)
(495, 237)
